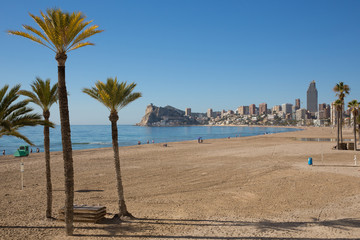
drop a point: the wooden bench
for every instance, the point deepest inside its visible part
(84, 213)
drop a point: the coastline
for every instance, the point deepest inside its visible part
(250, 187)
(89, 136)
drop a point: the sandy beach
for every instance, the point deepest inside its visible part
(238, 188)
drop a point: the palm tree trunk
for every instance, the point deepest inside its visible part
(66, 145)
(121, 199)
(338, 132)
(341, 124)
(355, 133)
(47, 168)
(359, 130)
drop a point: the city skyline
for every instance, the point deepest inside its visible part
(199, 54)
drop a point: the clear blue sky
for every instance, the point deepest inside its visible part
(202, 54)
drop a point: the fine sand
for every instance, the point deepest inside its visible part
(238, 188)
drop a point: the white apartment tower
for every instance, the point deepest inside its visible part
(209, 113)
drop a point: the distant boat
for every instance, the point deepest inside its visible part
(23, 151)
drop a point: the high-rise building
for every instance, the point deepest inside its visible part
(312, 98)
(243, 110)
(209, 113)
(276, 108)
(300, 114)
(286, 108)
(297, 103)
(324, 111)
(188, 112)
(333, 114)
(262, 108)
(252, 109)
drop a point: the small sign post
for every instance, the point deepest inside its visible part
(22, 174)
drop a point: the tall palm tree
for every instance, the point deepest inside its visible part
(341, 90)
(44, 96)
(338, 107)
(354, 108)
(358, 121)
(15, 115)
(62, 32)
(115, 96)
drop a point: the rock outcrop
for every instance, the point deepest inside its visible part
(167, 116)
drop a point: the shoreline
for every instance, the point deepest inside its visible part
(98, 144)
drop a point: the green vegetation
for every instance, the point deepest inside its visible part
(62, 32)
(15, 115)
(354, 108)
(115, 96)
(44, 96)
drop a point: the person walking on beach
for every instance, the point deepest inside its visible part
(4, 152)
(37, 150)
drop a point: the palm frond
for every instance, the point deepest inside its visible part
(86, 33)
(61, 31)
(15, 133)
(112, 94)
(43, 94)
(14, 115)
(79, 45)
(29, 36)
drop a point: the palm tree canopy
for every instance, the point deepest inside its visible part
(341, 90)
(354, 107)
(15, 115)
(112, 94)
(338, 104)
(42, 93)
(60, 31)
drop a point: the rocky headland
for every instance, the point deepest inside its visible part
(169, 116)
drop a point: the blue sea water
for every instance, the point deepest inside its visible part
(99, 136)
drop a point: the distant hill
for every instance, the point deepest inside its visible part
(169, 116)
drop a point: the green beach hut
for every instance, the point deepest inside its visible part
(22, 151)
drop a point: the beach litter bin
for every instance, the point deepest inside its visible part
(310, 161)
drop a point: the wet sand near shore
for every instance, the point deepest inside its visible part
(238, 188)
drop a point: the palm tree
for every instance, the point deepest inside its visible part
(15, 115)
(354, 108)
(338, 106)
(341, 90)
(62, 32)
(115, 96)
(44, 96)
(358, 121)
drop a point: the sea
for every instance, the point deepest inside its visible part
(99, 136)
